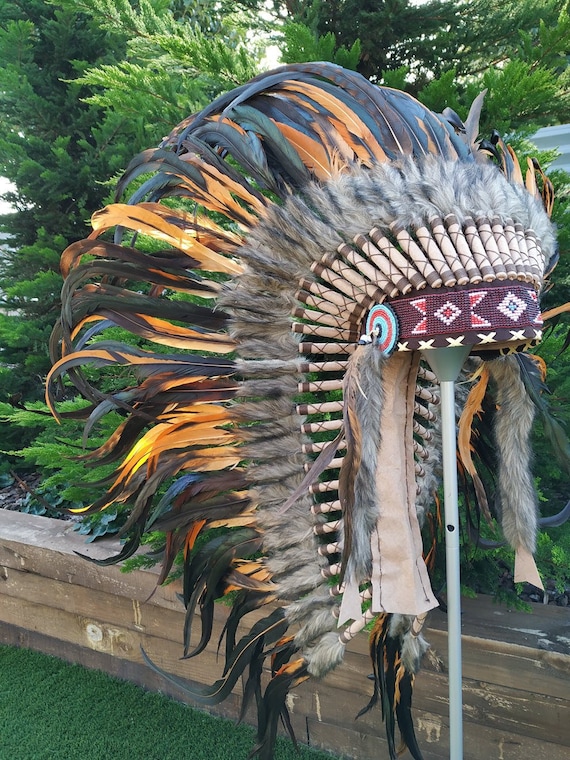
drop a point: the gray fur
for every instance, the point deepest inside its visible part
(278, 253)
(428, 484)
(413, 647)
(517, 497)
(324, 655)
(413, 191)
(368, 392)
(269, 388)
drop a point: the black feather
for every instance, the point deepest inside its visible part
(268, 630)
(537, 390)
(404, 712)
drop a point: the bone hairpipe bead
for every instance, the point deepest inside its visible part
(532, 264)
(330, 366)
(332, 296)
(351, 310)
(437, 257)
(387, 264)
(450, 252)
(429, 270)
(326, 348)
(535, 251)
(382, 245)
(324, 331)
(335, 278)
(478, 249)
(524, 273)
(461, 245)
(333, 320)
(376, 275)
(320, 408)
(503, 246)
(354, 282)
(491, 248)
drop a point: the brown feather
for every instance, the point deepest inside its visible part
(473, 406)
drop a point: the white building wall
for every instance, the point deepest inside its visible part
(555, 137)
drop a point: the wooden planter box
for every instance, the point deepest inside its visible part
(516, 666)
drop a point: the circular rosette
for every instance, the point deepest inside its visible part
(382, 326)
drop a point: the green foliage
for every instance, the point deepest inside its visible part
(56, 449)
(55, 152)
(433, 37)
(69, 483)
(153, 549)
(447, 52)
(522, 94)
(301, 44)
(554, 477)
(100, 524)
(445, 92)
(44, 501)
(177, 59)
(553, 556)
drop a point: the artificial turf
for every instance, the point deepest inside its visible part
(51, 710)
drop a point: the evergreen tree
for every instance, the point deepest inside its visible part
(430, 38)
(58, 154)
(179, 56)
(62, 137)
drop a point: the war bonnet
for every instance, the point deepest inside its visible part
(321, 235)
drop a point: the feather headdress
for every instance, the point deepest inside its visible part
(298, 243)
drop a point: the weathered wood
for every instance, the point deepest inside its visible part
(142, 616)
(85, 629)
(480, 742)
(545, 626)
(49, 548)
(531, 670)
(484, 704)
(516, 666)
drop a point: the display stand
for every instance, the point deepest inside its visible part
(447, 364)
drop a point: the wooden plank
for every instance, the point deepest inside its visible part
(545, 626)
(143, 616)
(480, 742)
(83, 629)
(521, 713)
(531, 670)
(48, 548)
(515, 695)
(45, 598)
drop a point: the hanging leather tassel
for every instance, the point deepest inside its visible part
(377, 487)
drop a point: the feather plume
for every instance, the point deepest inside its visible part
(473, 407)
(393, 682)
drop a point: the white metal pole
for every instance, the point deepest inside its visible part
(447, 363)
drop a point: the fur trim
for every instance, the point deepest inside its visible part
(325, 655)
(516, 495)
(363, 397)
(413, 645)
(412, 192)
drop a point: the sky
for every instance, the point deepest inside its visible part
(4, 187)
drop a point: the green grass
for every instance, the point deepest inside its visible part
(51, 710)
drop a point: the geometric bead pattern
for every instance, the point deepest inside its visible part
(501, 311)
